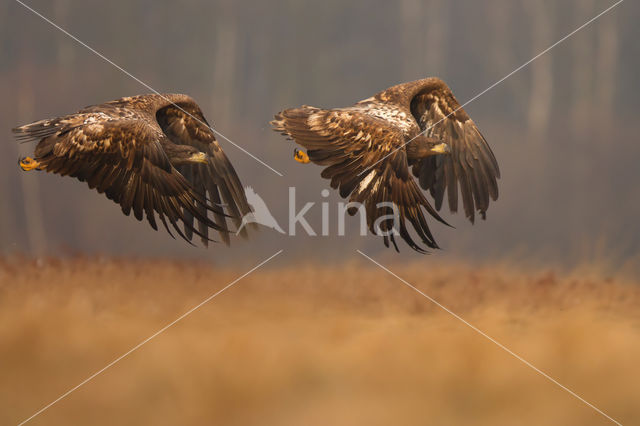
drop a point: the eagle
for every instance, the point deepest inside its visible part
(386, 149)
(153, 154)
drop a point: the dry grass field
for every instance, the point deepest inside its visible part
(308, 345)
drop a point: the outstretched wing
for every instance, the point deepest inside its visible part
(471, 164)
(184, 124)
(359, 152)
(123, 158)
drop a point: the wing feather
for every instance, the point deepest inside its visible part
(366, 161)
(471, 166)
(185, 124)
(122, 157)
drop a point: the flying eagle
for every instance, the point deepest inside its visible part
(370, 147)
(152, 154)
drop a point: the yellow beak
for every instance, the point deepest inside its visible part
(199, 157)
(441, 148)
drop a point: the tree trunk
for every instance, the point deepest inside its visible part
(6, 151)
(606, 67)
(413, 35)
(225, 57)
(582, 73)
(436, 20)
(423, 37)
(34, 224)
(65, 48)
(502, 51)
(540, 100)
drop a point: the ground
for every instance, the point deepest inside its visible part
(310, 345)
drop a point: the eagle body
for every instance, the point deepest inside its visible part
(389, 149)
(153, 154)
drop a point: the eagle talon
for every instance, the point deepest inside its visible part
(28, 164)
(300, 156)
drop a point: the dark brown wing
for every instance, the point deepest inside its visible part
(354, 145)
(471, 164)
(184, 124)
(123, 158)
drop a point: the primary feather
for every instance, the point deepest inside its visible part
(368, 149)
(136, 151)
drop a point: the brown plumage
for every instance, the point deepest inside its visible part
(368, 149)
(152, 154)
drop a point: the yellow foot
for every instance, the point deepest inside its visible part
(28, 163)
(300, 156)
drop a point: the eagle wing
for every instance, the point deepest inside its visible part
(121, 156)
(471, 164)
(366, 161)
(184, 124)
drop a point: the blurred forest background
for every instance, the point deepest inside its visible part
(564, 129)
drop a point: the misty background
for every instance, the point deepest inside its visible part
(564, 129)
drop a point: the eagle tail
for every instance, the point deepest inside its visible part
(37, 130)
(292, 118)
(45, 130)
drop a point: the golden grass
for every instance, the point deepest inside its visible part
(310, 345)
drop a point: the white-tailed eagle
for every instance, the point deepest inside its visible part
(373, 148)
(152, 154)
